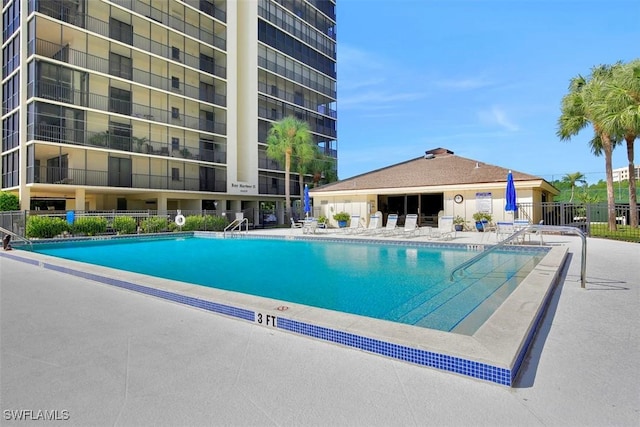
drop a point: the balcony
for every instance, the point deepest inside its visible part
(64, 135)
(101, 65)
(134, 110)
(97, 178)
(101, 27)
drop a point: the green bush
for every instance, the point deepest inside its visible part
(9, 201)
(154, 224)
(193, 223)
(124, 225)
(215, 223)
(45, 226)
(89, 225)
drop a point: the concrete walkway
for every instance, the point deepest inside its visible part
(102, 356)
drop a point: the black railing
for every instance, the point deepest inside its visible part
(97, 178)
(100, 64)
(66, 135)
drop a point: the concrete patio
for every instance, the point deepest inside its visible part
(99, 355)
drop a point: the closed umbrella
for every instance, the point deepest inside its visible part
(307, 200)
(510, 194)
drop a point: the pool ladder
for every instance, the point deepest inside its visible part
(538, 228)
(235, 228)
(17, 237)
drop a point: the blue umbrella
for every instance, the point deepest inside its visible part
(307, 201)
(510, 194)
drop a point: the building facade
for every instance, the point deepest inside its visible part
(161, 105)
(622, 174)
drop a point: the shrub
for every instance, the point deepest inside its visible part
(193, 223)
(9, 201)
(342, 216)
(45, 226)
(482, 216)
(89, 225)
(154, 224)
(215, 223)
(124, 225)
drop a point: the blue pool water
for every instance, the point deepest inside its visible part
(398, 283)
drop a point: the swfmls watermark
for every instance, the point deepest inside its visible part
(36, 415)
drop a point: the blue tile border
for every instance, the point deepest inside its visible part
(408, 354)
(470, 368)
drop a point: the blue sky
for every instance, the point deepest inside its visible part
(482, 78)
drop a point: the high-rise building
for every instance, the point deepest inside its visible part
(160, 104)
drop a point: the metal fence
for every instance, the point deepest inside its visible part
(590, 218)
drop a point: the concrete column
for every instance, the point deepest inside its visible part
(162, 204)
(80, 199)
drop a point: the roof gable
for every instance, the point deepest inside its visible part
(437, 167)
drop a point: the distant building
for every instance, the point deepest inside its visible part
(438, 183)
(163, 104)
(622, 174)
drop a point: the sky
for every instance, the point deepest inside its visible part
(482, 78)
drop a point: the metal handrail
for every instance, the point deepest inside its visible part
(539, 228)
(19, 237)
(236, 224)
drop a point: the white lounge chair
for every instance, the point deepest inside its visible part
(375, 223)
(504, 230)
(295, 224)
(410, 226)
(445, 229)
(309, 226)
(392, 226)
(355, 226)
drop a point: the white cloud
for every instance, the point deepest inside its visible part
(463, 84)
(497, 116)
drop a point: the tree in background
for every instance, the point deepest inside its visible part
(619, 115)
(579, 109)
(573, 179)
(287, 138)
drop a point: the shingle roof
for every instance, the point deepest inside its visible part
(436, 168)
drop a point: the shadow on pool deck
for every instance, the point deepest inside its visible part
(114, 357)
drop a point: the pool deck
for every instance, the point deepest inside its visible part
(108, 356)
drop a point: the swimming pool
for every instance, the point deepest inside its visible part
(494, 352)
(405, 284)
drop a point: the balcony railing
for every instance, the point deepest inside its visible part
(282, 94)
(97, 178)
(64, 135)
(298, 78)
(107, 104)
(101, 27)
(136, 75)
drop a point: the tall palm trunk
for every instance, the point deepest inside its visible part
(633, 199)
(287, 189)
(607, 148)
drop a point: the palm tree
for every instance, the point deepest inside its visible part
(572, 179)
(578, 111)
(619, 114)
(285, 139)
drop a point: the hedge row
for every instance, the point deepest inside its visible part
(47, 227)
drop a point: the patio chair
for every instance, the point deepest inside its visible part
(375, 224)
(445, 230)
(392, 226)
(410, 228)
(295, 224)
(355, 226)
(309, 226)
(504, 230)
(519, 224)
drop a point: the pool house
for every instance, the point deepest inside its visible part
(435, 184)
